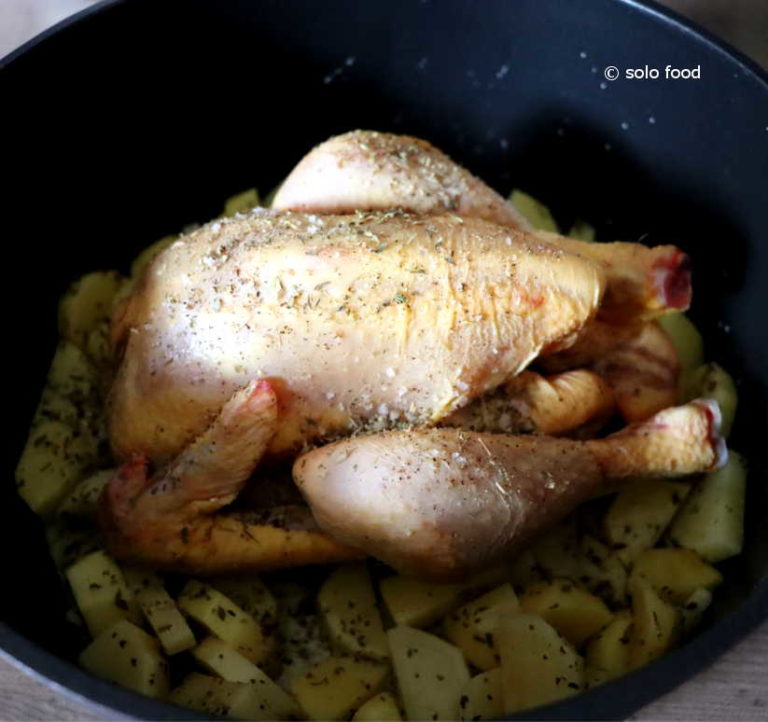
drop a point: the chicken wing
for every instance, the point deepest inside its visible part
(173, 520)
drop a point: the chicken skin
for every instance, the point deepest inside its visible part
(171, 519)
(357, 322)
(441, 503)
(256, 337)
(643, 373)
(364, 170)
(379, 171)
(532, 403)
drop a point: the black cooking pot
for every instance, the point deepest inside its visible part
(139, 116)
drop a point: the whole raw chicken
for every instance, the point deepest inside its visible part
(254, 338)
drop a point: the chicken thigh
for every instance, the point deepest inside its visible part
(442, 503)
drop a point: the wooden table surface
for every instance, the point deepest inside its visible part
(735, 688)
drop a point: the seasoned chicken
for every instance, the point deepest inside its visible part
(364, 170)
(643, 372)
(533, 403)
(358, 322)
(171, 519)
(595, 341)
(380, 171)
(442, 503)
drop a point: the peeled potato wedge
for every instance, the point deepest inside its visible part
(582, 231)
(535, 212)
(127, 655)
(572, 611)
(236, 700)
(142, 261)
(82, 501)
(607, 653)
(694, 607)
(639, 515)
(55, 457)
(655, 625)
(350, 614)
(675, 574)
(379, 708)
(86, 304)
(431, 674)
(331, 689)
(241, 202)
(250, 593)
(472, 627)
(483, 697)
(159, 610)
(538, 666)
(415, 603)
(688, 344)
(224, 619)
(712, 381)
(711, 521)
(223, 660)
(101, 592)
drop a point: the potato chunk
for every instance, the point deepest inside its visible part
(142, 261)
(250, 593)
(639, 515)
(223, 660)
(431, 674)
(86, 304)
(711, 522)
(712, 381)
(414, 603)
(159, 610)
(607, 653)
(82, 501)
(694, 607)
(688, 344)
(675, 574)
(241, 202)
(471, 627)
(224, 619)
(350, 614)
(55, 457)
(333, 688)
(236, 700)
(655, 625)
(538, 666)
(535, 212)
(127, 655)
(101, 592)
(379, 708)
(483, 697)
(572, 611)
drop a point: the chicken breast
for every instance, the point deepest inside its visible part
(444, 503)
(357, 322)
(366, 170)
(378, 171)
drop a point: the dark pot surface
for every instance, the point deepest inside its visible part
(139, 116)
